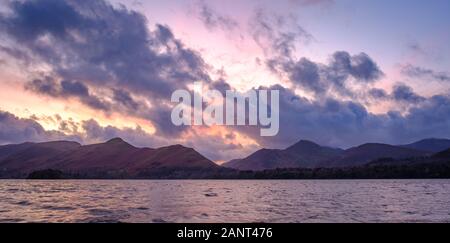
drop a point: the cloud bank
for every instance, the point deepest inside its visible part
(109, 59)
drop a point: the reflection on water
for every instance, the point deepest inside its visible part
(225, 201)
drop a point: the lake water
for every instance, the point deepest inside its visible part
(225, 201)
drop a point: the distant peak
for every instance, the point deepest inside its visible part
(115, 140)
(177, 146)
(373, 145)
(305, 143)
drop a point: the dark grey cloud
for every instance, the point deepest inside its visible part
(16, 54)
(124, 98)
(68, 126)
(320, 79)
(68, 89)
(359, 66)
(47, 85)
(221, 85)
(421, 72)
(401, 94)
(348, 123)
(95, 42)
(404, 93)
(378, 94)
(121, 101)
(306, 74)
(342, 67)
(77, 89)
(214, 20)
(18, 130)
(93, 45)
(277, 35)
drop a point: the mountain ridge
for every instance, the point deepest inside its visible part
(301, 154)
(307, 154)
(366, 153)
(114, 157)
(434, 145)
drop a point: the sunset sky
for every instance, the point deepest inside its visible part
(349, 72)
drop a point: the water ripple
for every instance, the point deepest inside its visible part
(103, 201)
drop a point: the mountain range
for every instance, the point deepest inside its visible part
(307, 154)
(112, 159)
(433, 145)
(304, 154)
(118, 159)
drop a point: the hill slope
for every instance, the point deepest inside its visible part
(434, 145)
(363, 154)
(304, 154)
(115, 158)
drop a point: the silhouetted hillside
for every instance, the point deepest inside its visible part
(113, 159)
(304, 154)
(116, 159)
(361, 155)
(433, 145)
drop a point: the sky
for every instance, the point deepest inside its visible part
(349, 72)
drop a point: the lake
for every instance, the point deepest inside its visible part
(225, 201)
